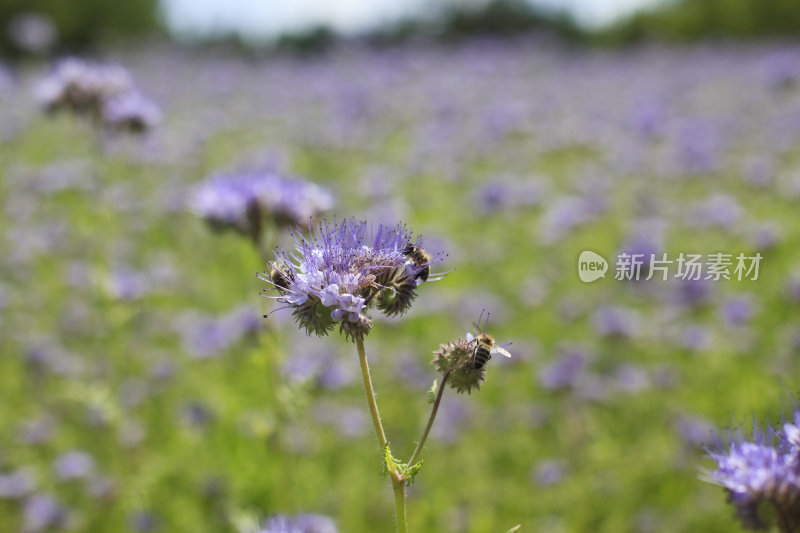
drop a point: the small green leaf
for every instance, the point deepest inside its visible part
(432, 391)
(515, 528)
(389, 462)
(410, 471)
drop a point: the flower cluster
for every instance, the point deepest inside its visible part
(339, 271)
(762, 476)
(104, 92)
(243, 202)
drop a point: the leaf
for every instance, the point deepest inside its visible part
(389, 462)
(392, 464)
(432, 392)
(515, 528)
(410, 471)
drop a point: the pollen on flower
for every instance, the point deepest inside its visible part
(338, 272)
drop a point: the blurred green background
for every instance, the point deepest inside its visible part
(142, 390)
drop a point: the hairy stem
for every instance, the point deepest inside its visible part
(398, 483)
(399, 486)
(373, 405)
(431, 418)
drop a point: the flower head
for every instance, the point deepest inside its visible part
(132, 112)
(456, 357)
(82, 87)
(339, 271)
(760, 473)
(244, 201)
(463, 361)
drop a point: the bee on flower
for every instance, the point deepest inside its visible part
(338, 272)
(464, 360)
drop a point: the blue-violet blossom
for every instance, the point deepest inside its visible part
(339, 271)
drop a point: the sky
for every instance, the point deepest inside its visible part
(266, 18)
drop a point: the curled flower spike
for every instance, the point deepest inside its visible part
(340, 271)
(761, 476)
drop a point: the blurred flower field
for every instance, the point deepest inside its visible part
(143, 391)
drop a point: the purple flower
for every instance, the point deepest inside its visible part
(565, 371)
(691, 292)
(649, 117)
(130, 111)
(302, 523)
(339, 271)
(616, 321)
(143, 522)
(205, 337)
(737, 311)
(41, 512)
(16, 484)
(82, 87)
(33, 32)
(763, 469)
(244, 201)
(549, 472)
(208, 336)
(698, 147)
(692, 430)
(721, 210)
(73, 465)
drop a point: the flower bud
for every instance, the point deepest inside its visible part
(356, 330)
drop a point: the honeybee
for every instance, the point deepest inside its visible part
(279, 277)
(420, 258)
(485, 345)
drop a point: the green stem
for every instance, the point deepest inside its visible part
(431, 418)
(398, 483)
(373, 406)
(399, 487)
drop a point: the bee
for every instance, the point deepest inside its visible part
(279, 277)
(485, 345)
(420, 258)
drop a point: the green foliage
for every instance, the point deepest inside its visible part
(83, 23)
(690, 20)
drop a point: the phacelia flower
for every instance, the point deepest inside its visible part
(340, 271)
(244, 201)
(302, 523)
(131, 111)
(762, 476)
(455, 357)
(82, 87)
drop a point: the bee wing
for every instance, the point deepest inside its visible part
(499, 350)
